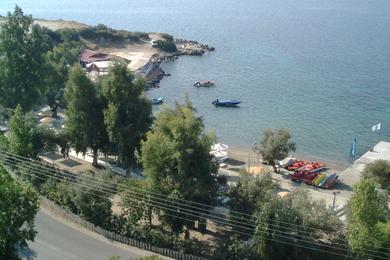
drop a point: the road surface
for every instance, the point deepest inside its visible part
(60, 240)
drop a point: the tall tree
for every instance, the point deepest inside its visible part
(85, 120)
(250, 194)
(275, 145)
(368, 209)
(59, 62)
(22, 63)
(177, 162)
(18, 207)
(128, 115)
(21, 134)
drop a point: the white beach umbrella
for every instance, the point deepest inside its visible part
(220, 155)
(219, 147)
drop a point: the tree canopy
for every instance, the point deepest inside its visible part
(275, 145)
(176, 159)
(59, 61)
(21, 134)
(378, 171)
(85, 119)
(368, 218)
(22, 62)
(128, 114)
(18, 207)
(302, 213)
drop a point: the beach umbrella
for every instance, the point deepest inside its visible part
(219, 147)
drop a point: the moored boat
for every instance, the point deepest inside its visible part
(204, 83)
(157, 100)
(226, 103)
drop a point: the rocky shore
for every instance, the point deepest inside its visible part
(184, 47)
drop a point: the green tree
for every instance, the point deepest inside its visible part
(4, 143)
(22, 63)
(177, 162)
(368, 209)
(136, 205)
(128, 115)
(302, 215)
(379, 171)
(250, 194)
(275, 145)
(89, 201)
(21, 134)
(59, 61)
(18, 207)
(85, 119)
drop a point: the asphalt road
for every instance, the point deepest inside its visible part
(59, 240)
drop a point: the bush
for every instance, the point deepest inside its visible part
(101, 31)
(378, 171)
(168, 46)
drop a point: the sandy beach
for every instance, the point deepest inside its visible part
(242, 156)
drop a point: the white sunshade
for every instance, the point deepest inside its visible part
(219, 147)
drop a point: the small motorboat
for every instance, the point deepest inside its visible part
(226, 103)
(204, 83)
(157, 100)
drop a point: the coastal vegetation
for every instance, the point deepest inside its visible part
(181, 186)
(84, 115)
(379, 171)
(167, 44)
(368, 219)
(275, 145)
(22, 62)
(101, 32)
(177, 161)
(18, 206)
(128, 114)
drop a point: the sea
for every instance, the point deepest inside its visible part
(318, 68)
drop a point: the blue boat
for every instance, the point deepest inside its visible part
(226, 103)
(157, 100)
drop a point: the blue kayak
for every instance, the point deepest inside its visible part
(158, 100)
(226, 103)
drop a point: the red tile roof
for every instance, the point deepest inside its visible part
(89, 56)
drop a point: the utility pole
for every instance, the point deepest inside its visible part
(334, 199)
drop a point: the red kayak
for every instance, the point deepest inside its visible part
(308, 178)
(313, 166)
(296, 166)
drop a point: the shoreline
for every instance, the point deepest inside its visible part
(246, 155)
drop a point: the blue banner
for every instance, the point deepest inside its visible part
(352, 153)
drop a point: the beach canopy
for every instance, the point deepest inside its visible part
(219, 147)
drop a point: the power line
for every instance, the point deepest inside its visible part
(170, 209)
(184, 209)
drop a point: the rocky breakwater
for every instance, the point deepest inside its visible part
(153, 72)
(189, 47)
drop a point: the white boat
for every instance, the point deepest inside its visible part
(204, 83)
(157, 100)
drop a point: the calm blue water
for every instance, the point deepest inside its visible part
(319, 68)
